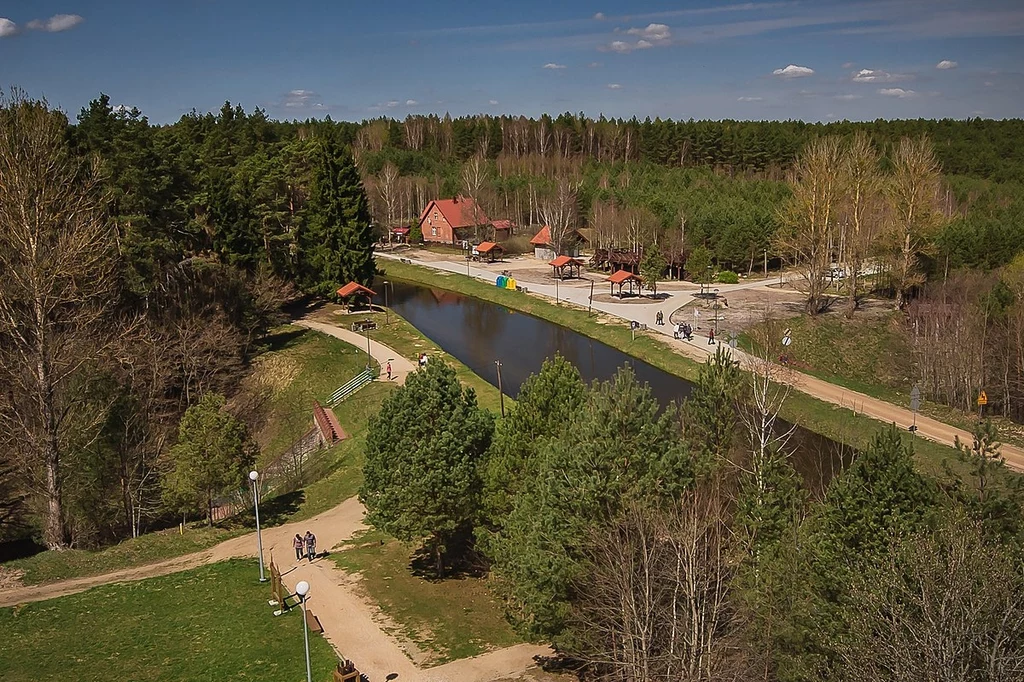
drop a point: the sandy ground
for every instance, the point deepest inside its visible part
(356, 628)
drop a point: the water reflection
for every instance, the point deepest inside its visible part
(478, 333)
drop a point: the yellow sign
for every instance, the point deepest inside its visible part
(982, 398)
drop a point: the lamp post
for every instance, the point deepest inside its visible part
(718, 307)
(497, 365)
(387, 306)
(302, 589)
(556, 288)
(369, 361)
(254, 477)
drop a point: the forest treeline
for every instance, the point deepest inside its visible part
(681, 544)
(135, 290)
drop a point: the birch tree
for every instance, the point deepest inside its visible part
(861, 211)
(57, 288)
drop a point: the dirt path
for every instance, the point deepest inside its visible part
(356, 628)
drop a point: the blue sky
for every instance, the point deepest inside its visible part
(815, 60)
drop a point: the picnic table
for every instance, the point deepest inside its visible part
(363, 325)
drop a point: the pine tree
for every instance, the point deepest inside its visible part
(424, 451)
(336, 240)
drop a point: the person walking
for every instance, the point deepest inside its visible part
(659, 318)
(389, 370)
(310, 545)
(298, 544)
(711, 337)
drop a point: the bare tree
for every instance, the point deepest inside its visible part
(947, 607)
(655, 602)
(915, 199)
(474, 178)
(808, 216)
(387, 188)
(560, 211)
(56, 293)
(862, 184)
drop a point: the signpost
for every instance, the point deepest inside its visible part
(982, 402)
(915, 405)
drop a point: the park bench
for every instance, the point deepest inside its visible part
(363, 325)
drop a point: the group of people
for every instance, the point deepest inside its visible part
(305, 547)
(683, 331)
(422, 360)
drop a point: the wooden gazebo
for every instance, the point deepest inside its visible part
(353, 292)
(622, 277)
(560, 265)
(490, 250)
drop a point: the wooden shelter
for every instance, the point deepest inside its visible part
(353, 292)
(562, 264)
(489, 250)
(622, 277)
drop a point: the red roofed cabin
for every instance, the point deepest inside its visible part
(450, 221)
(545, 249)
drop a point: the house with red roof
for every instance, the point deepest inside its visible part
(450, 221)
(545, 248)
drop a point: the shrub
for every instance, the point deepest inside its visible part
(728, 277)
(517, 245)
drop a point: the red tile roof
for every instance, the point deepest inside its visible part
(542, 238)
(400, 230)
(622, 276)
(458, 212)
(355, 288)
(502, 224)
(562, 261)
(487, 247)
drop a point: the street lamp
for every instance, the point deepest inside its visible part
(718, 307)
(254, 477)
(387, 307)
(302, 589)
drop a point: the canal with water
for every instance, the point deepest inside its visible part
(478, 333)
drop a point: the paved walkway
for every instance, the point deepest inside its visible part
(355, 628)
(699, 349)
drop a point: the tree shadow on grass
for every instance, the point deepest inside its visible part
(273, 512)
(461, 560)
(282, 340)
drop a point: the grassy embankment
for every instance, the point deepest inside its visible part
(298, 366)
(210, 623)
(837, 423)
(871, 355)
(445, 619)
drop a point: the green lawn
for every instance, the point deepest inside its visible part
(47, 567)
(816, 415)
(447, 619)
(302, 366)
(211, 623)
(396, 333)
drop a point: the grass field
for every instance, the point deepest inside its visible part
(211, 623)
(447, 619)
(302, 366)
(818, 416)
(396, 333)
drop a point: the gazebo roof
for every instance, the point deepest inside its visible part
(562, 261)
(622, 276)
(353, 288)
(487, 247)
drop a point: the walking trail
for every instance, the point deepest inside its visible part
(355, 627)
(699, 349)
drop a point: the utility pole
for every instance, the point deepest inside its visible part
(501, 393)
(556, 289)
(590, 304)
(766, 263)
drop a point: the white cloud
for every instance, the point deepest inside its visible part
(946, 64)
(492, 102)
(878, 76)
(793, 71)
(56, 23)
(411, 102)
(552, 65)
(652, 32)
(391, 104)
(989, 84)
(652, 35)
(848, 65)
(7, 27)
(847, 98)
(614, 86)
(749, 99)
(594, 65)
(121, 109)
(896, 92)
(600, 16)
(301, 94)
